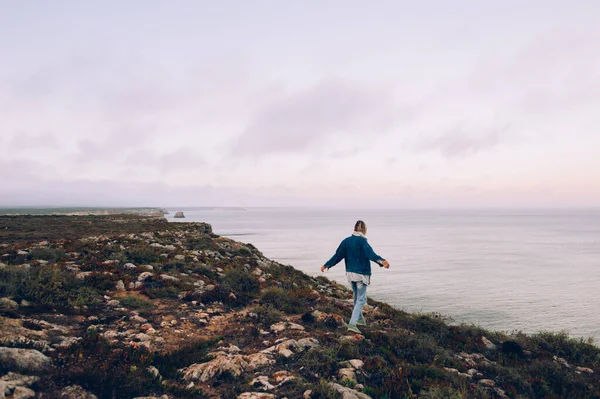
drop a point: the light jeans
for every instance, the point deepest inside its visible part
(360, 299)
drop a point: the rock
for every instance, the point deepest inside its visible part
(17, 386)
(262, 382)
(142, 337)
(166, 277)
(21, 252)
(257, 360)
(153, 371)
(488, 344)
(562, 361)
(179, 215)
(23, 393)
(233, 365)
(348, 393)
(83, 275)
(24, 359)
(584, 370)
(120, 286)
(288, 347)
(153, 397)
(76, 392)
(7, 304)
(356, 363)
(147, 267)
(347, 374)
(145, 275)
(256, 395)
(487, 383)
(129, 266)
(284, 325)
(179, 257)
(281, 377)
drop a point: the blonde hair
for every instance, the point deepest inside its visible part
(360, 226)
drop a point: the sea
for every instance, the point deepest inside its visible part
(507, 270)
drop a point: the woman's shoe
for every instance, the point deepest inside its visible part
(361, 322)
(354, 329)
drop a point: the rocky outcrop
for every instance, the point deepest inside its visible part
(24, 359)
(179, 215)
(75, 392)
(14, 385)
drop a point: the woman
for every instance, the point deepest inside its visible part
(357, 253)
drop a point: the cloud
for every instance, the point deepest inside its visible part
(297, 121)
(461, 143)
(24, 141)
(182, 158)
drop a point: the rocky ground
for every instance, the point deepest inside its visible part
(131, 307)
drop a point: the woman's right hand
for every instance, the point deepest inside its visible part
(323, 268)
(385, 264)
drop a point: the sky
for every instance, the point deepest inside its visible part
(300, 103)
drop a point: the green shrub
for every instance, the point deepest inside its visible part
(574, 350)
(49, 254)
(291, 302)
(239, 280)
(136, 302)
(141, 256)
(268, 315)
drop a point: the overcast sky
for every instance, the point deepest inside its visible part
(336, 103)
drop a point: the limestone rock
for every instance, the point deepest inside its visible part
(23, 393)
(284, 325)
(488, 344)
(262, 382)
(76, 392)
(24, 359)
(235, 365)
(179, 215)
(288, 347)
(8, 304)
(356, 363)
(584, 370)
(256, 395)
(282, 377)
(129, 266)
(145, 275)
(120, 286)
(347, 374)
(487, 383)
(17, 385)
(348, 393)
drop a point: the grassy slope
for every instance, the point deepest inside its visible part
(405, 355)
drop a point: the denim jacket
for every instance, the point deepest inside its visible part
(357, 253)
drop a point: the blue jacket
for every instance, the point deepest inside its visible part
(357, 253)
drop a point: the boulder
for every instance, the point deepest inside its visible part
(284, 325)
(488, 344)
(262, 382)
(347, 374)
(120, 286)
(487, 383)
(289, 347)
(76, 392)
(348, 393)
(179, 215)
(256, 395)
(17, 386)
(7, 304)
(235, 365)
(24, 359)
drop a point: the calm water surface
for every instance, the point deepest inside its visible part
(504, 270)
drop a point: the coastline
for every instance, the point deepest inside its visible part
(220, 319)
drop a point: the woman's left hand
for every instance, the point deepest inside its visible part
(323, 268)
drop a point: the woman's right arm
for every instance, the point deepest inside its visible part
(338, 256)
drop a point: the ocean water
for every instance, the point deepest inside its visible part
(504, 270)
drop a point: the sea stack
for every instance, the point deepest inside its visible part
(179, 215)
